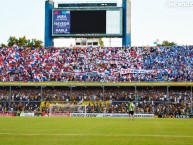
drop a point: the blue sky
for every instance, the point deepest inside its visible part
(151, 20)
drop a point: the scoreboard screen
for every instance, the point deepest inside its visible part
(87, 22)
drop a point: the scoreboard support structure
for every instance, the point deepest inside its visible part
(125, 24)
(126, 40)
(48, 39)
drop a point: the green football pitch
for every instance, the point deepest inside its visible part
(94, 131)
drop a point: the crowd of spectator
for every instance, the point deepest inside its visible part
(156, 100)
(20, 99)
(108, 64)
(97, 64)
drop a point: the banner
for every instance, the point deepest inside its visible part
(60, 114)
(110, 115)
(45, 114)
(61, 22)
(84, 115)
(37, 114)
(95, 103)
(7, 114)
(182, 116)
(126, 71)
(27, 114)
(137, 71)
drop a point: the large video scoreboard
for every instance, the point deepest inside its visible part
(90, 22)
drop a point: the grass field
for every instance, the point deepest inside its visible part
(94, 131)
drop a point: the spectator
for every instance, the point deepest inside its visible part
(97, 64)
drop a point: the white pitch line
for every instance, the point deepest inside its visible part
(106, 135)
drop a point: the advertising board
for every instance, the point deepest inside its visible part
(7, 114)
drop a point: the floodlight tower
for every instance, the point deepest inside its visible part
(126, 41)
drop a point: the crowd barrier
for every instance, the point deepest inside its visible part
(95, 84)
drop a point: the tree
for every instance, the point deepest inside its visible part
(12, 40)
(23, 41)
(101, 43)
(3, 45)
(36, 43)
(167, 43)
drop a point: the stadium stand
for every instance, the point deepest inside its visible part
(111, 65)
(133, 64)
(113, 100)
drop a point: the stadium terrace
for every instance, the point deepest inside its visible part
(96, 64)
